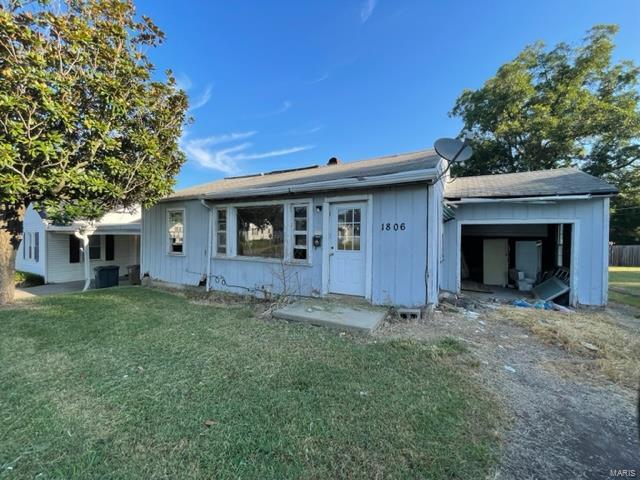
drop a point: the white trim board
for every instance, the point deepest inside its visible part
(605, 251)
(575, 235)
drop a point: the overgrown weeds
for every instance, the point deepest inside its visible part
(611, 347)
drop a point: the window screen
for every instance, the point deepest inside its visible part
(36, 246)
(95, 252)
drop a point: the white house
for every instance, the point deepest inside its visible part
(394, 230)
(56, 253)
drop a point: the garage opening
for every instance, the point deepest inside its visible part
(517, 260)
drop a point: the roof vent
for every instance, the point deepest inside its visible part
(333, 161)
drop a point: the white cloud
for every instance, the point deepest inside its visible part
(305, 131)
(206, 153)
(224, 138)
(286, 105)
(272, 153)
(367, 9)
(183, 81)
(321, 78)
(202, 100)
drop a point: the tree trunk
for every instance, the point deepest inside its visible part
(7, 267)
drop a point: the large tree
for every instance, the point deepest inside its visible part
(568, 105)
(86, 125)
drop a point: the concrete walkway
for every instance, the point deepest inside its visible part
(54, 289)
(49, 289)
(334, 314)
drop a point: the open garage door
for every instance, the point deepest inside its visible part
(512, 259)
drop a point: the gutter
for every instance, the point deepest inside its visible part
(554, 198)
(113, 229)
(209, 243)
(413, 176)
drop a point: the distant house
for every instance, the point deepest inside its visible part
(55, 252)
(394, 230)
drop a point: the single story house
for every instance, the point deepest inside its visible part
(394, 230)
(56, 253)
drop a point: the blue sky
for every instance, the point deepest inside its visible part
(280, 84)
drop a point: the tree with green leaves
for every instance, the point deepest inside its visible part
(565, 106)
(86, 125)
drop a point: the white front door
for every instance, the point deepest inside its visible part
(347, 265)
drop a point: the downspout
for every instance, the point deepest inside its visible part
(84, 236)
(426, 269)
(209, 242)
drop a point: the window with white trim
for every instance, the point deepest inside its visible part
(300, 232)
(175, 231)
(221, 232)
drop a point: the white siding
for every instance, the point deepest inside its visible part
(32, 223)
(591, 233)
(61, 270)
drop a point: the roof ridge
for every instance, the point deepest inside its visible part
(322, 168)
(523, 173)
(554, 181)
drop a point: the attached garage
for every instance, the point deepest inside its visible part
(513, 231)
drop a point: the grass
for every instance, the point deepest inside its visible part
(137, 383)
(624, 285)
(618, 347)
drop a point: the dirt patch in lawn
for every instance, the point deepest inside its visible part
(569, 419)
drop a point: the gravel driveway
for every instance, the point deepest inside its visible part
(567, 422)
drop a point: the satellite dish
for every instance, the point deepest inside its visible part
(453, 150)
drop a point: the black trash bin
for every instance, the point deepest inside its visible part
(107, 276)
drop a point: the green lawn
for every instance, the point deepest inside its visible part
(624, 285)
(137, 383)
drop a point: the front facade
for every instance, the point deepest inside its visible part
(55, 253)
(389, 230)
(369, 241)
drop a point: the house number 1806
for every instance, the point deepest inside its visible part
(387, 227)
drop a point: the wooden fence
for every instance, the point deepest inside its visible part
(624, 255)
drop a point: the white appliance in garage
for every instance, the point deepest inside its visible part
(529, 259)
(495, 264)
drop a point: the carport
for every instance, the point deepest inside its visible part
(515, 230)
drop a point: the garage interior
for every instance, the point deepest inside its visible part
(517, 260)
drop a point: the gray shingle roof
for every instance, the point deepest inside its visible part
(561, 181)
(406, 162)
